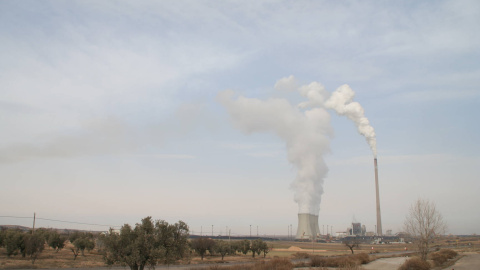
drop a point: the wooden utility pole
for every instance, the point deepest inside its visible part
(34, 215)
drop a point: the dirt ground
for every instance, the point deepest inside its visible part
(471, 260)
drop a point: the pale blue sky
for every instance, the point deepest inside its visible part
(108, 110)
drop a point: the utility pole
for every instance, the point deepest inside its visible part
(323, 230)
(257, 231)
(250, 231)
(212, 230)
(34, 216)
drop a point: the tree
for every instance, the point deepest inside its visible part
(14, 242)
(223, 248)
(84, 243)
(424, 224)
(34, 245)
(56, 241)
(244, 246)
(3, 234)
(173, 238)
(202, 244)
(265, 248)
(256, 247)
(146, 244)
(351, 243)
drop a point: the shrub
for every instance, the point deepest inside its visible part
(449, 253)
(345, 261)
(277, 264)
(442, 256)
(362, 258)
(301, 255)
(415, 264)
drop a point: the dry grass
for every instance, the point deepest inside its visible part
(51, 259)
(277, 264)
(344, 261)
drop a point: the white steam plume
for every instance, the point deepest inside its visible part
(305, 128)
(306, 135)
(342, 102)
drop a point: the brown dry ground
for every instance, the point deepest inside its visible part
(64, 258)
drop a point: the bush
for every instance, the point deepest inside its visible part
(415, 264)
(449, 253)
(362, 258)
(277, 264)
(301, 255)
(442, 256)
(345, 261)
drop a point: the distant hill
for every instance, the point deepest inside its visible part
(22, 228)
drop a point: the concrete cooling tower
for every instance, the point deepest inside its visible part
(307, 227)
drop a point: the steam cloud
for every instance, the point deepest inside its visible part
(342, 102)
(305, 128)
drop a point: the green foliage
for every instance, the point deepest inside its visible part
(84, 243)
(34, 245)
(146, 244)
(13, 242)
(256, 247)
(244, 246)
(56, 241)
(202, 244)
(3, 234)
(173, 239)
(223, 248)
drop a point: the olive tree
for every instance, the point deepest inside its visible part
(56, 241)
(146, 244)
(223, 248)
(13, 242)
(244, 246)
(202, 244)
(34, 245)
(424, 224)
(256, 247)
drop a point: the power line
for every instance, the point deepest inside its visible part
(64, 221)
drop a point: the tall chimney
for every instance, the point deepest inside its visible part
(379, 217)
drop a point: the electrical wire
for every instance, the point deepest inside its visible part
(64, 221)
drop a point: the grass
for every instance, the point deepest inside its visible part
(51, 259)
(343, 261)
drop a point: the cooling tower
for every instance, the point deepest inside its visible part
(314, 225)
(379, 218)
(307, 227)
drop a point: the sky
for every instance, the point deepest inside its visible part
(111, 111)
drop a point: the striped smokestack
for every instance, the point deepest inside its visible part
(379, 217)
